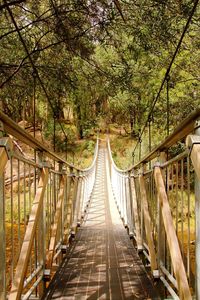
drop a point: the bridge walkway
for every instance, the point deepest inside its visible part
(103, 263)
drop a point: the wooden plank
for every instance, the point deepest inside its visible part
(17, 285)
(54, 227)
(148, 224)
(175, 253)
(136, 216)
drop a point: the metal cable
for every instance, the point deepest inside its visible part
(32, 64)
(167, 72)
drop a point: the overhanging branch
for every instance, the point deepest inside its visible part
(5, 5)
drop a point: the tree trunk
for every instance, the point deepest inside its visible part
(79, 122)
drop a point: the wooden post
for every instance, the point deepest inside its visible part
(80, 213)
(76, 203)
(73, 205)
(177, 262)
(161, 229)
(68, 207)
(135, 215)
(193, 142)
(129, 206)
(83, 187)
(148, 224)
(42, 245)
(6, 143)
(55, 225)
(41, 238)
(22, 265)
(124, 199)
(77, 215)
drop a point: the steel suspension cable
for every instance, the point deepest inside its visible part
(168, 105)
(32, 63)
(167, 72)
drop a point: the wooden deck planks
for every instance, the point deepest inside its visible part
(102, 263)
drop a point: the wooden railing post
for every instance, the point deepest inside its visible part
(68, 203)
(161, 231)
(148, 225)
(124, 203)
(135, 214)
(177, 261)
(77, 219)
(42, 236)
(56, 222)
(129, 209)
(5, 147)
(22, 265)
(64, 209)
(73, 206)
(82, 194)
(193, 142)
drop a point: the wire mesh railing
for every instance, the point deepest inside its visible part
(121, 185)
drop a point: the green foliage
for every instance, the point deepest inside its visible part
(102, 68)
(89, 145)
(177, 149)
(122, 148)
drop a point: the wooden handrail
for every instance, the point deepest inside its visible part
(180, 132)
(185, 128)
(12, 128)
(19, 133)
(9, 127)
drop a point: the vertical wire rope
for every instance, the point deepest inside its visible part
(168, 108)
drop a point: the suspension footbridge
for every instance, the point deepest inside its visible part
(103, 263)
(101, 232)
